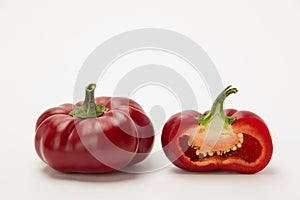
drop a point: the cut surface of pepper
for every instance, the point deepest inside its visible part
(218, 139)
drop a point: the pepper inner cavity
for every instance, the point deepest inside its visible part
(204, 145)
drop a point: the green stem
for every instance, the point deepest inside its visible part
(89, 109)
(217, 109)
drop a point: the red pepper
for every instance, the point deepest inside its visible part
(98, 135)
(219, 139)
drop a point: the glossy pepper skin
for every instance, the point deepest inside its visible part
(98, 135)
(218, 139)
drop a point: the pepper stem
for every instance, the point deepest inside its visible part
(217, 109)
(89, 109)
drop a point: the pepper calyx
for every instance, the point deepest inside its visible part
(89, 109)
(217, 109)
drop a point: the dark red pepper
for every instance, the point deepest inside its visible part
(98, 135)
(219, 139)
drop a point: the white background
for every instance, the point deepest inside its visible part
(255, 46)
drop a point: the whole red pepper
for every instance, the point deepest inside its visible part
(98, 135)
(218, 139)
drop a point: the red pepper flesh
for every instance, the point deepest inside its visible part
(219, 139)
(98, 135)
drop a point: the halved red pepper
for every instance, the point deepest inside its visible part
(101, 134)
(218, 139)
